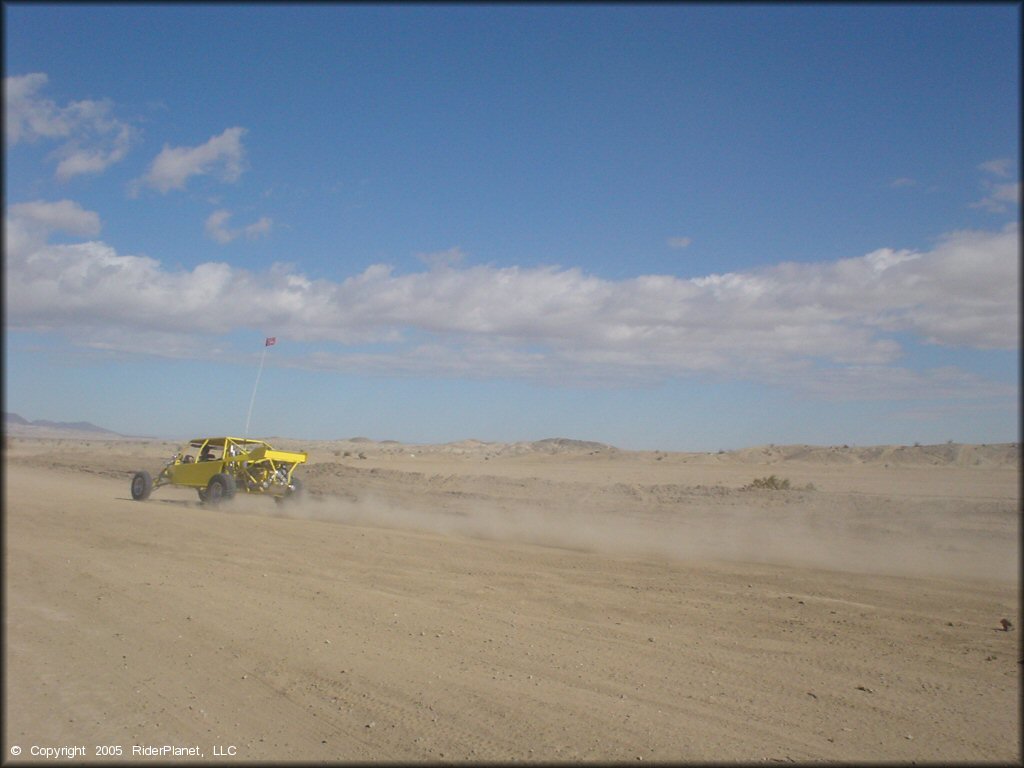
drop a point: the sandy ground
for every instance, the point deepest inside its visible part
(553, 601)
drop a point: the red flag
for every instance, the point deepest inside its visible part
(271, 341)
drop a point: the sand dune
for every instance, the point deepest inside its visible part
(549, 601)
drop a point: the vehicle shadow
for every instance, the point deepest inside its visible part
(176, 502)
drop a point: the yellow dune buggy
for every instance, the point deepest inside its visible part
(219, 467)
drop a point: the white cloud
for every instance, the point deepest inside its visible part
(76, 158)
(797, 322)
(63, 215)
(679, 242)
(217, 228)
(28, 117)
(1000, 198)
(999, 167)
(94, 140)
(257, 228)
(903, 181)
(1001, 195)
(29, 225)
(174, 166)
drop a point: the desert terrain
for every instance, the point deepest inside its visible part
(552, 601)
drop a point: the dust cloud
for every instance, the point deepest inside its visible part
(905, 540)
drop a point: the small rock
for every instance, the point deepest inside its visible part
(371, 724)
(864, 688)
(1007, 625)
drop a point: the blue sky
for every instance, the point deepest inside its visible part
(678, 227)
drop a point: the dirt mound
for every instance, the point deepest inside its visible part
(560, 444)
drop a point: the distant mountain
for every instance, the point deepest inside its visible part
(71, 426)
(78, 426)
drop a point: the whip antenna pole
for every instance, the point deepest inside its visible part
(271, 341)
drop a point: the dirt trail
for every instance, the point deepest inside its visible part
(323, 637)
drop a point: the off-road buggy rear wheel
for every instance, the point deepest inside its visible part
(220, 488)
(142, 485)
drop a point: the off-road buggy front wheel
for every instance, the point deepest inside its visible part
(220, 488)
(142, 485)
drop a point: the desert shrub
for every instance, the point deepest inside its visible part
(770, 483)
(774, 483)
